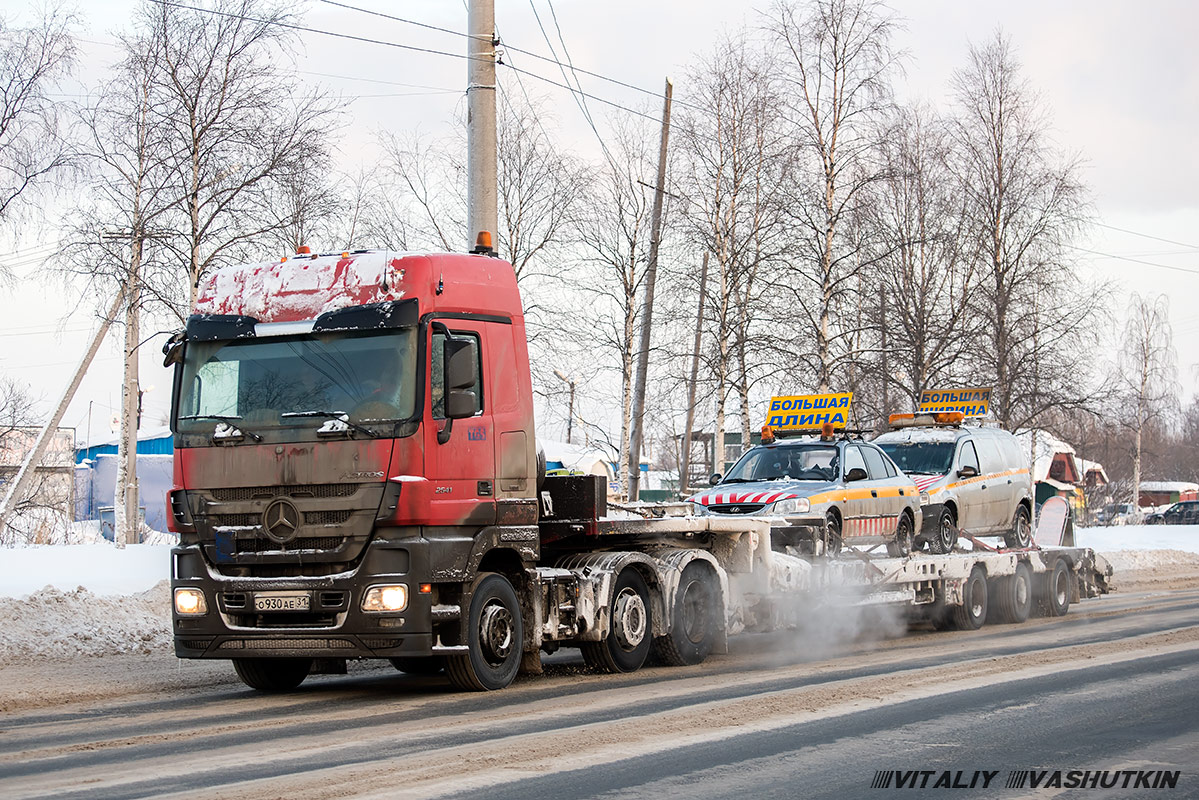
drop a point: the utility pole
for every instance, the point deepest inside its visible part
(570, 417)
(20, 484)
(126, 519)
(685, 466)
(636, 429)
(481, 161)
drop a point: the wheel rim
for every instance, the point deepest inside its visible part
(948, 535)
(1021, 590)
(976, 602)
(694, 605)
(629, 619)
(1060, 588)
(495, 633)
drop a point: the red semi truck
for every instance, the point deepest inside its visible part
(356, 476)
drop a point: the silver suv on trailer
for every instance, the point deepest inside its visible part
(972, 479)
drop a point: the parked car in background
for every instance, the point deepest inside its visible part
(1185, 513)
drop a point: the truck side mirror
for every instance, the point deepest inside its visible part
(856, 474)
(459, 366)
(172, 351)
(967, 471)
(460, 404)
(715, 479)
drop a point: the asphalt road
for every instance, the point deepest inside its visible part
(1113, 686)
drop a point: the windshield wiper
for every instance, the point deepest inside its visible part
(339, 416)
(225, 429)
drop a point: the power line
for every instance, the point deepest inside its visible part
(1133, 260)
(305, 29)
(400, 19)
(1147, 236)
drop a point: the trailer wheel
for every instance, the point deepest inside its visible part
(901, 545)
(419, 665)
(1021, 533)
(1013, 595)
(630, 634)
(1056, 598)
(494, 635)
(947, 534)
(972, 613)
(272, 674)
(696, 607)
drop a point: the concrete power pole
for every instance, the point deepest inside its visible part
(126, 518)
(636, 430)
(481, 161)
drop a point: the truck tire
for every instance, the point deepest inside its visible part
(694, 625)
(272, 674)
(419, 665)
(946, 535)
(972, 613)
(1013, 595)
(1021, 533)
(630, 633)
(901, 545)
(494, 635)
(1055, 599)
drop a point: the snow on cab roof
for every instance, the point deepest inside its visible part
(922, 434)
(301, 286)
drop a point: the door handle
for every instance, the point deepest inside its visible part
(1009, 481)
(984, 486)
(874, 492)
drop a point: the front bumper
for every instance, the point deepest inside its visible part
(334, 626)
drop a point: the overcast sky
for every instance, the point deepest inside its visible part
(1119, 80)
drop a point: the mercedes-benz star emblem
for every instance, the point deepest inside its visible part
(281, 521)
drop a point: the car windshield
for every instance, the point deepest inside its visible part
(296, 381)
(927, 458)
(803, 462)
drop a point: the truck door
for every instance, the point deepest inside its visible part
(460, 467)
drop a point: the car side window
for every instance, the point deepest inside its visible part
(989, 456)
(853, 459)
(968, 457)
(875, 463)
(437, 379)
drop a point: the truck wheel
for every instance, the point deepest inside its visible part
(972, 613)
(494, 635)
(947, 534)
(832, 534)
(272, 674)
(693, 631)
(901, 545)
(1056, 598)
(1013, 595)
(418, 665)
(627, 644)
(1021, 533)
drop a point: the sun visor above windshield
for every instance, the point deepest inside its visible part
(391, 314)
(218, 327)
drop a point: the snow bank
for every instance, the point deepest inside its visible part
(1140, 537)
(53, 623)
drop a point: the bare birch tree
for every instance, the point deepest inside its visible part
(33, 145)
(838, 63)
(1147, 372)
(1023, 205)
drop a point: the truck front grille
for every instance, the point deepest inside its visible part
(239, 493)
(737, 508)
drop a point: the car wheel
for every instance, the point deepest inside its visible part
(946, 535)
(832, 534)
(630, 633)
(972, 613)
(1021, 533)
(901, 545)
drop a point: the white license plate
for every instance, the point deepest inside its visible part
(281, 601)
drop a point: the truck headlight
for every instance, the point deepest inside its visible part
(190, 602)
(924, 498)
(393, 597)
(792, 505)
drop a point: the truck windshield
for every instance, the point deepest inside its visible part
(812, 462)
(924, 458)
(256, 382)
